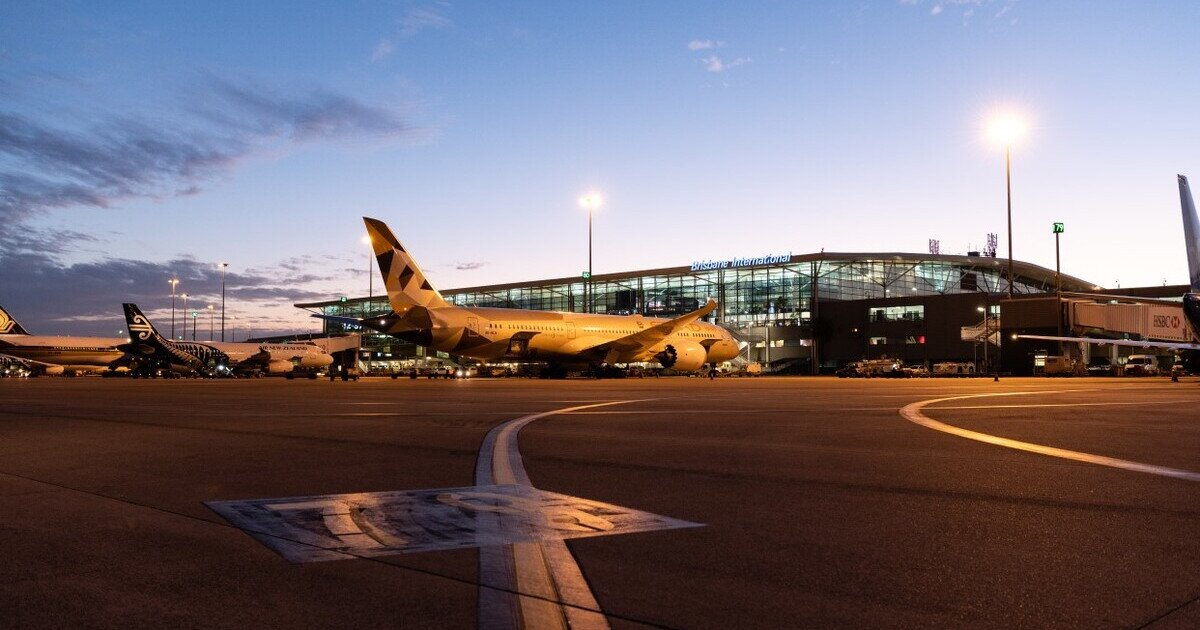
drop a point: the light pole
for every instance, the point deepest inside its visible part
(223, 266)
(1005, 129)
(987, 332)
(590, 201)
(211, 316)
(195, 316)
(173, 281)
(370, 277)
(185, 311)
(1059, 228)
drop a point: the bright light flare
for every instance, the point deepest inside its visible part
(591, 201)
(366, 239)
(1005, 128)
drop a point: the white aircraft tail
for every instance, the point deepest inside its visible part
(1191, 232)
(407, 288)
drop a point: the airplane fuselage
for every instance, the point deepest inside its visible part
(490, 334)
(238, 355)
(72, 353)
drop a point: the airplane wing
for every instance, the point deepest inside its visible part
(48, 368)
(643, 340)
(27, 362)
(352, 321)
(1119, 342)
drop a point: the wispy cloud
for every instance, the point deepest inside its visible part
(383, 50)
(468, 266)
(716, 64)
(417, 20)
(967, 8)
(409, 25)
(702, 44)
(45, 165)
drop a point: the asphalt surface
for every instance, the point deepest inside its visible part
(822, 506)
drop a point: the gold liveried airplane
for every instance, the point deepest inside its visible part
(420, 315)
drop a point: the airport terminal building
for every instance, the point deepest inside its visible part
(814, 311)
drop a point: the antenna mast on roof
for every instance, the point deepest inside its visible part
(935, 246)
(990, 250)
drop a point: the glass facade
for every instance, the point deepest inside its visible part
(780, 294)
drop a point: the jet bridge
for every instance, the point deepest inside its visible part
(1147, 319)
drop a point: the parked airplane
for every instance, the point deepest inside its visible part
(148, 349)
(420, 315)
(1191, 299)
(58, 354)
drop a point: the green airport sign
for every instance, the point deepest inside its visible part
(343, 299)
(586, 275)
(1059, 228)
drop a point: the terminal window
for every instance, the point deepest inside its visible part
(911, 313)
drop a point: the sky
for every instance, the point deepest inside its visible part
(145, 141)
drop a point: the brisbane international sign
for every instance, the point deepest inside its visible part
(769, 259)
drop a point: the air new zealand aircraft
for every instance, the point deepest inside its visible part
(149, 350)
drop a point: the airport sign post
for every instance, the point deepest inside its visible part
(587, 275)
(1058, 228)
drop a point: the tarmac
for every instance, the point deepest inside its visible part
(670, 502)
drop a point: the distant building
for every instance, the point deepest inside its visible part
(906, 306)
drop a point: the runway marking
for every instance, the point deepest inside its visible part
(527, 575)
(372, 414)
(545, 568)
(1093, 404)
(913, 413)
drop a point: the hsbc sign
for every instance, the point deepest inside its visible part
(1166, 322)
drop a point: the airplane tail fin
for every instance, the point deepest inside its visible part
(407, 288)
(10, 326)
(140, 328)
(1191, 232)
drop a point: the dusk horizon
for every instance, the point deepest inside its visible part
(141, 144)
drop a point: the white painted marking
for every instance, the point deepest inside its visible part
(913, 413)
(1093, 404)
(544, 568)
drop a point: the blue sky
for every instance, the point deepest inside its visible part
(144, 140)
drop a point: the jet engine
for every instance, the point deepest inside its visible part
(682, 356)
(722, 350)
(279, 367)
(315, 360)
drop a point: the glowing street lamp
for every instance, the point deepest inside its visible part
(590, 201)
(1005, 129)
(173, 282)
